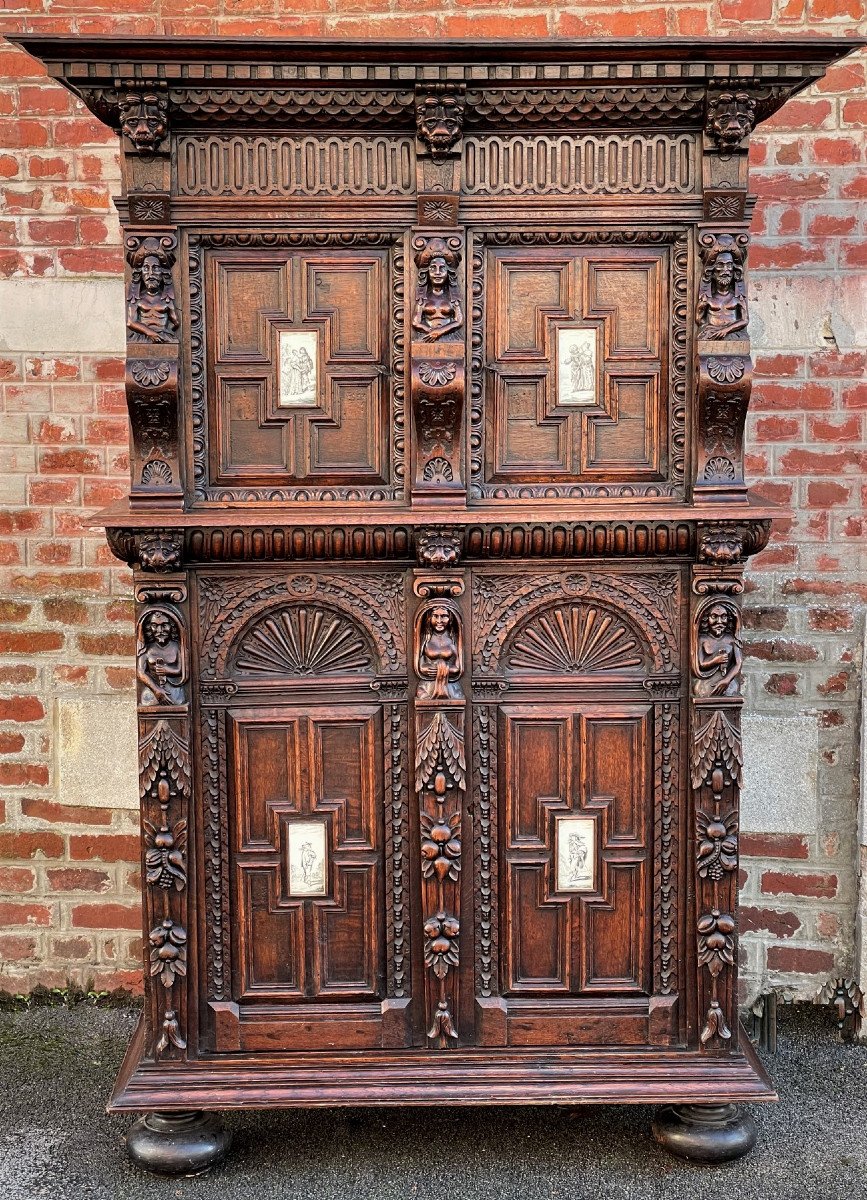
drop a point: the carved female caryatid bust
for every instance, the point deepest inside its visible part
(439, 654)
(718, 654)
(160, 666)
(721, 312)
(438, 308)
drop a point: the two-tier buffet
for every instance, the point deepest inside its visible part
(437, 373)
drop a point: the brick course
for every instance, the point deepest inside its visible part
(65, 621)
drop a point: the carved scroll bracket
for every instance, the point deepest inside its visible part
(438, 365)
(152, 393)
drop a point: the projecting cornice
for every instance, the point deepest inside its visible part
(531, 85)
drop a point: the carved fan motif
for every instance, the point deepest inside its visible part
(573, 638)
(303, 641)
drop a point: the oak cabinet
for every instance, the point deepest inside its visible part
(437, 372)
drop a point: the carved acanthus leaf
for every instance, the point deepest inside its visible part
(716, 741)
(163, 748)
(440, 743)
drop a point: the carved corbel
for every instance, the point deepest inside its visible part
(439, 115)
(438, 365)
(723, 366)
(165, 788)
(730, 116)
(152, 402)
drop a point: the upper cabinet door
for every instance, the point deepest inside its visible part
(297, 353)
(583, 373)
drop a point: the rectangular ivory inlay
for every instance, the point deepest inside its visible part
(299, 357)
(576, 854)
(308, 873)
(576, 367)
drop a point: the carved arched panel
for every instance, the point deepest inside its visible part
(372, 602)
(575, 638)
(645, 603)
(302, 639)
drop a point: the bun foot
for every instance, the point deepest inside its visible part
(177, 1143)
(708, 1133)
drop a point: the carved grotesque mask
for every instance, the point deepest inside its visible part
(439, 119)
(731, 119)
(143, 119)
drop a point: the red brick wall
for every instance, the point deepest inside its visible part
(68, 877)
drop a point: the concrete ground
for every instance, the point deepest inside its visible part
(57, 1065)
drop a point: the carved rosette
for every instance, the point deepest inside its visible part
(723, 366)
(440, 766)
(715, 775)
(438, 363)
(152, 368)
(165, 789)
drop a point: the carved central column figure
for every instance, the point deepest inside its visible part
(437, 373)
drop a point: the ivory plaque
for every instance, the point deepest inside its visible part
(307, 863)
(299, 354)
(576, 854)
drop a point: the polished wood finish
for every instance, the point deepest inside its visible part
(438, 370)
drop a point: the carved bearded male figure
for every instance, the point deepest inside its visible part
(718, 654)
(159, 662)
(439, 118)
(151, 312)
(722, 305)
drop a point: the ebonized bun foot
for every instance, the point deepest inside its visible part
(177, 1143)
(708, 1133)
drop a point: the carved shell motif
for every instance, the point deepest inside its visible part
(303, 640)
(575, 638)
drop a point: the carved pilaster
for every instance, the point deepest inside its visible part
(438, 364)
(165, 789)
(440, 785)
(723, 365)
(715, 776)
(152, 369)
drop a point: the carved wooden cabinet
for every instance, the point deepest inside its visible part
(437, 375)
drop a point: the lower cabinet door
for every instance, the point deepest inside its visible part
(306, 848)
(574, 845)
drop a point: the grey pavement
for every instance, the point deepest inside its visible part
(57, 1066)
